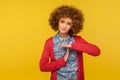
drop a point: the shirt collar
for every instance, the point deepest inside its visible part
(60, 38)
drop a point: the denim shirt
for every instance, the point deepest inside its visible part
(70, 70)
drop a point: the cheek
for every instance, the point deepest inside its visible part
(69, 27)
(59, 24)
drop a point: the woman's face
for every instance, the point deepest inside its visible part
(64, 25)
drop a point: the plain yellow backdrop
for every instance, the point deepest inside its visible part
(24, 28)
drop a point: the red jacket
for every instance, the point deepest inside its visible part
(48, 62)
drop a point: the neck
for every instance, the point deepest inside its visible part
(63, 35)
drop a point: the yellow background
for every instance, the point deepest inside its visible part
(24, 28)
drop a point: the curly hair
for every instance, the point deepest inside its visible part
(67, 11)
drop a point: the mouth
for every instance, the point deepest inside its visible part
(63, 29)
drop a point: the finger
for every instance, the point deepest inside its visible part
(61, 45)
(67, 54)
(67, 51)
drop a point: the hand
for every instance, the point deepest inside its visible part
(65, 45)
(66, 55)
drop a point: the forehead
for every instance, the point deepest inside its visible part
(66, 19)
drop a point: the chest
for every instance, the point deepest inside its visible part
(60, 51)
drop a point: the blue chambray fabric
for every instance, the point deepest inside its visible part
(70, 70)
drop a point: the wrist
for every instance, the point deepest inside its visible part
(65, 59)
(70, 45)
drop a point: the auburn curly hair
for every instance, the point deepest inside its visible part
(67, 11)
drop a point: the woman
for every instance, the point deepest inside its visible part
(63, 53)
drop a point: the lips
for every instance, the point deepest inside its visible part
(63, 29)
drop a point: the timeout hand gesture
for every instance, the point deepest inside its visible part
(67, 51)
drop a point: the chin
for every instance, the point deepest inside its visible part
(63, 32)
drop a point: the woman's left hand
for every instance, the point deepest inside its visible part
(65, 45)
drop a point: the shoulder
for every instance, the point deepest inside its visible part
(49, 40)
(79, 38)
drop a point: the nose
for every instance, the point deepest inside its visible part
(64, 25)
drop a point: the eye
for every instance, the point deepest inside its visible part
(62, 21)
(69, 23)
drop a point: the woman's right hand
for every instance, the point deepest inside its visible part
(66, 55)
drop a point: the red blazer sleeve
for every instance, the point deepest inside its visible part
(81, 45)
(45, 63)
